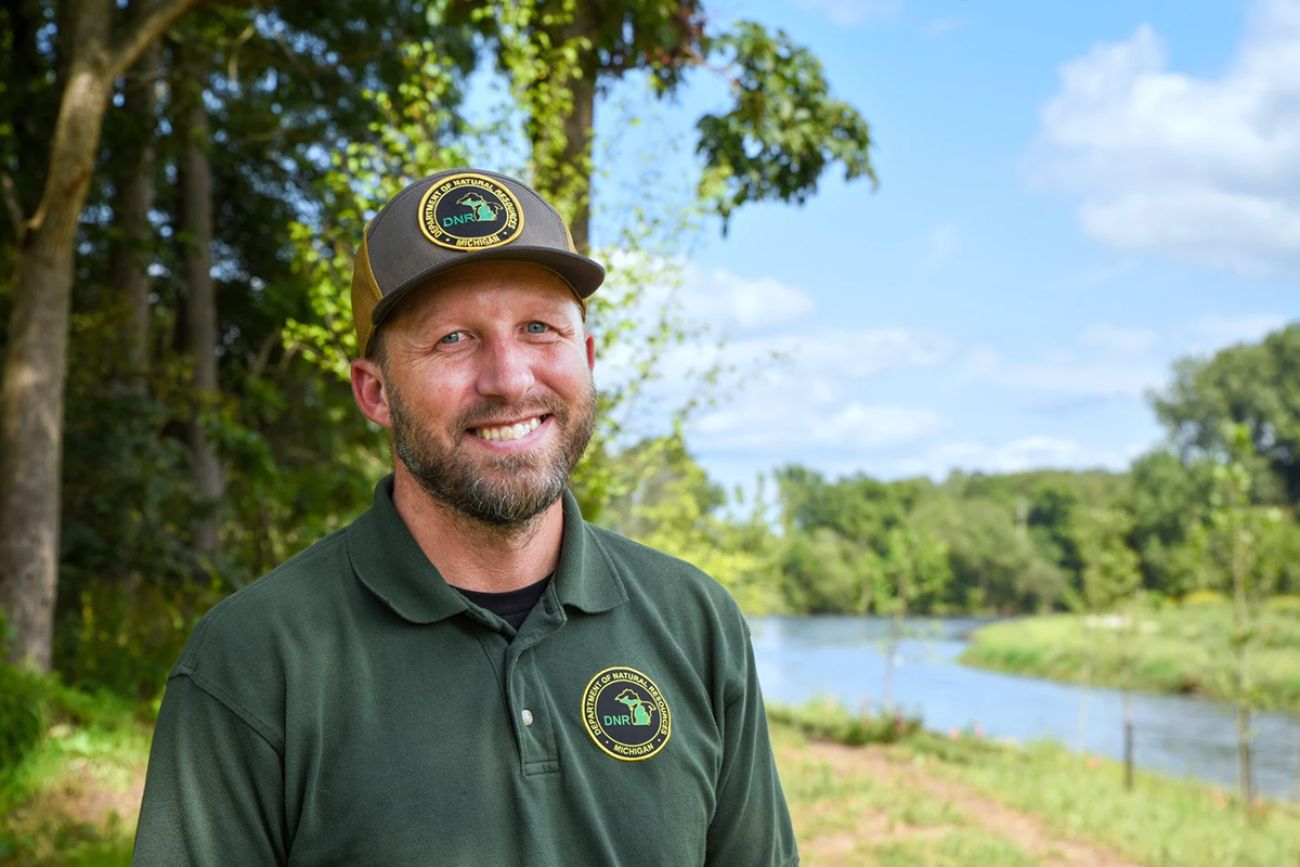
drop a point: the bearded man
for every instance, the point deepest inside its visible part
(469, 673)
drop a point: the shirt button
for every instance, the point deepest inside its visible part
(527, 717)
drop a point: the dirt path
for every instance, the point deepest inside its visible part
(1026, 832)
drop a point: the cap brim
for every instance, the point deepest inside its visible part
(583, 274)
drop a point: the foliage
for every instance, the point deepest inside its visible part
(71, 800)
(676, 509)
(1255, 385)
(827, 720)
(22, 715)
(784, 129)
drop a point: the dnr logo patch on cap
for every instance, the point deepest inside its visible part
(626, 714)
(470, 212)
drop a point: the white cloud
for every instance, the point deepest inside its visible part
(848, 13)
(1212, 333)
(794, 391)
(786, 383)
(847, 354)
(1074, 374)
(1203, 169)
(763, 425)
(1022, 453)
(730, 302)
(941, 245)
(940, 26)
(1118, 340)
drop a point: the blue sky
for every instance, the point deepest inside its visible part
(1072, 196)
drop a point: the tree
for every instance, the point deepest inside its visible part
(995, 566)
(1255, 385)
(1236, 548)
(1111, 579)
(1169, 500)
(133, 182)
(676, 509)
(31, 436)
(190, 120)
(284, 89)
(782, 133)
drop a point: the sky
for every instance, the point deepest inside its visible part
(1072, 197)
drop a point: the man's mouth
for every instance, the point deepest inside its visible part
(508, 432)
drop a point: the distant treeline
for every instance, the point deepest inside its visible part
(1222, 489)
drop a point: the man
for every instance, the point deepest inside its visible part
(469, 673)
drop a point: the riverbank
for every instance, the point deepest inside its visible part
(950, 800)
(924, 799)
(1174, 650)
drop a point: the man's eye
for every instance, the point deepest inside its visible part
(454, 337)
(536, 327)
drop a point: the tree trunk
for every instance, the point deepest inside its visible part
(1241, 649)
(578, 129)
(200, 312)
(1128, 741)
(135, 197)
(31, 429)
(562, 170)
(31, 438)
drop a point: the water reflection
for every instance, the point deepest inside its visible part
(802, 658)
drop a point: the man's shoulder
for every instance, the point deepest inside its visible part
(658, 574)
(625, 551)
(252, 614)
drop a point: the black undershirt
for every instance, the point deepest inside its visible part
(513, 605)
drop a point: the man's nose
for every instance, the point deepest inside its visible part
(506, 372)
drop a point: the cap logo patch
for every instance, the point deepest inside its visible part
(626, 714)
(470, 212)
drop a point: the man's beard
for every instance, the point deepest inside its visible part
(505, 491)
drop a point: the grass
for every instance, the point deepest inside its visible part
(71, 800)
(1175, 649)
(1164, 821)
(843, 816)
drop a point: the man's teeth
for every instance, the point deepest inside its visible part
(511, 431)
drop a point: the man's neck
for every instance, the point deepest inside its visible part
(471, 554)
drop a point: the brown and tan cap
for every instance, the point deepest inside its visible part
(452, 218)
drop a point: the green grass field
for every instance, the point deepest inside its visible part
(1175, 649)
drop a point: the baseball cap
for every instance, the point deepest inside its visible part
(452, 218)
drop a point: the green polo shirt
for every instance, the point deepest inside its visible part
(352, 708)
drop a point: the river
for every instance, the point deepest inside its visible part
(843, 658)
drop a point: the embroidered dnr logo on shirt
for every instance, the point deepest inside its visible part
(626, 714)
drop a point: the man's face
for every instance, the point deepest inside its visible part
(487, 377)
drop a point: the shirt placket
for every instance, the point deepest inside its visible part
(530, 707)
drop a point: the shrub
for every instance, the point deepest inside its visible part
(1285, 603)
(1204, 597)
(22, 714)
(829, 721)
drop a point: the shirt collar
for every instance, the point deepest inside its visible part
(391, 565)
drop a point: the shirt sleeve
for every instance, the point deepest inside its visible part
(214, 789)
(751, 824)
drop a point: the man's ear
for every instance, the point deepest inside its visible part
(591, 353)
(369, 391)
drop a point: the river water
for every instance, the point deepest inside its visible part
(843, 658)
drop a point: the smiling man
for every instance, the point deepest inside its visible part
(469, 673)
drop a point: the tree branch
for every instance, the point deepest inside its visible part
(128, 47)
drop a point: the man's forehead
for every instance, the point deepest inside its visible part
(487, 283)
